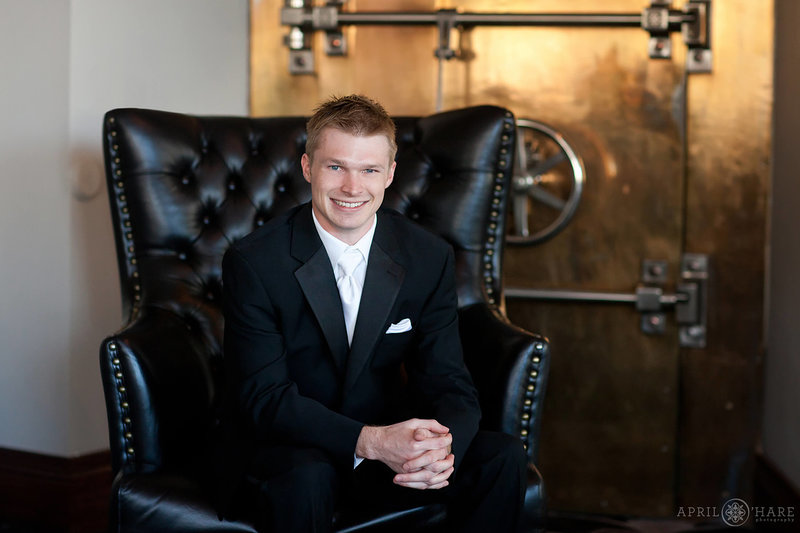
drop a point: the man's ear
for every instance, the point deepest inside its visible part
(305, 163)
(391, 175)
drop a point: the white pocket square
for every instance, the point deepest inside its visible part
(401, 327)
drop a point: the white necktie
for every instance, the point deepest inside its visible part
(349, 290)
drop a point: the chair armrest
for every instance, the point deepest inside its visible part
(509, 367)
(158, 376)
(165, 501)
(534, 513)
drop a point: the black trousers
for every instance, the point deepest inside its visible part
(298, 489)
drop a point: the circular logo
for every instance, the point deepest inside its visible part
(735, 512)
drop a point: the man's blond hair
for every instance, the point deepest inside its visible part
(354, 114)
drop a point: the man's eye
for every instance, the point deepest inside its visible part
(334, 167)
(370, 170)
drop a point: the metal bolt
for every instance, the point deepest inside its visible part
(695, 331)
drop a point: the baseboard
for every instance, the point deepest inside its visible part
(61, 494)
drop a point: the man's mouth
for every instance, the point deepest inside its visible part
(341, 203)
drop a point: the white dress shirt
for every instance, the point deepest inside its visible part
(335, 248)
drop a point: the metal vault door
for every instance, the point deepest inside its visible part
(611, 415)
(611, 423)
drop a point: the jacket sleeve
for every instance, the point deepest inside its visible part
(261, 394)
(438, 376)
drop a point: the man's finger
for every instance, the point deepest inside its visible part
(422, 486)
(433, 443)
(424, 433)
(441, 485)
(425, 460)
(432, 425)
(436, 482)
(441, 466)
(410, 477)
(424, 476)
(439, 478)
(413, 485)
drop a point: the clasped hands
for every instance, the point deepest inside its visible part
(418, 451)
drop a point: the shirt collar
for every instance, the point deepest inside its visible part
(335, 247)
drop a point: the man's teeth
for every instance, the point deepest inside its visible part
(348, 204)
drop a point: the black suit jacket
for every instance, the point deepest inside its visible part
(293, 379)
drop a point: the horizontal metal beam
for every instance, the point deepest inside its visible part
(330, 17)
(560, 295)
(495, 19)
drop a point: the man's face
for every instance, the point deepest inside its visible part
(348, 175)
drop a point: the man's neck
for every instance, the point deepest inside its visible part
(346, 237)
(327, 236)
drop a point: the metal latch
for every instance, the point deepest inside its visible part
(688, 301)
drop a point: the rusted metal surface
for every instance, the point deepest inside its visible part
(611, 413)
(394, 65)
(729, 117)
(633, 424)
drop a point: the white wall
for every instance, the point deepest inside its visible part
(34, 232)
(781, 432)
(63, 64)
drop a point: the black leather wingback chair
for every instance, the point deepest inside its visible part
(182, 189)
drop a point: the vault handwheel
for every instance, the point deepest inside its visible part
(546, 186)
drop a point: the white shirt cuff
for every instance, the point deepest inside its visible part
(356, 461)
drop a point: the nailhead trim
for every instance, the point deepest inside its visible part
(123, 210)
(122, 397)
(490, 258)
(526, 410)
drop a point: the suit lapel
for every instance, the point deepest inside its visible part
(318, 284)
(381, 286)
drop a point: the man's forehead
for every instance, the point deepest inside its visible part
(330, 131)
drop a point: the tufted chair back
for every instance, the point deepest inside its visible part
(184, 188)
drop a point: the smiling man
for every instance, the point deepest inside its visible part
(350, 173)
(346, 379)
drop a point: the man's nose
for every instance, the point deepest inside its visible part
(351, 183)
